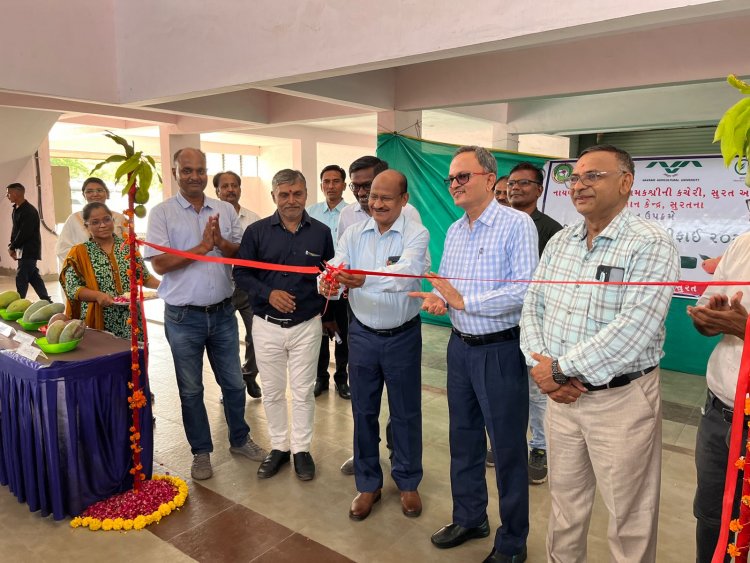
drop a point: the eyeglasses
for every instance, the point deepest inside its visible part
(363, 186)
(522, 183)
(463, 177)
(93, 191)
(588, 179)
(106, 220)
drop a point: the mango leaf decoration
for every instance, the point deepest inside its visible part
(137, 169)
(734, 128)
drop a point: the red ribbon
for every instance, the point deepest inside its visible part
(331, 269)
(730, 483)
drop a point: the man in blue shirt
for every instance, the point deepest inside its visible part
(333, 184)
(198, 311)
(487, 380)
(287, 326)
(385, 341)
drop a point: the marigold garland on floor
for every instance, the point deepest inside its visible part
(133, 510)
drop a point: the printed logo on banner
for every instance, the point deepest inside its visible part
(562, 172)
(740, 167)
(671, 169)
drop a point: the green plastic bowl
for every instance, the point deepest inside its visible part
(48, 348)
(31, 326)
(10, 316)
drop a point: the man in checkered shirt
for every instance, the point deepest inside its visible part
(487, 381)
(595, 351)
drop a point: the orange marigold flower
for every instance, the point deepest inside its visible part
(733, 550)
(735, 525)
(746, 500)
(747, 405)
(740, 463)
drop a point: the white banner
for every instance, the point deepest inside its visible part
(700, 202)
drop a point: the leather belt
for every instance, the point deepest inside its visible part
(390, 331)
(283, 323)
(511, 333)
(726, 412)
(620, 380)
(210, 308)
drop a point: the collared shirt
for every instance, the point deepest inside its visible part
(247, 217)
(501, 245)
(25, 236)
(598, 332)
(546, 228)
(723, 365)
(353, 213)
(328, 216)
(383, 302)
(176, 224)
(268, 240)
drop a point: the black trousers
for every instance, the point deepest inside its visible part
(28, 274)
(241, 302)
(711, 453)
(341, 351)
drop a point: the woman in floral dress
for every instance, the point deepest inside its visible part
(95, 272)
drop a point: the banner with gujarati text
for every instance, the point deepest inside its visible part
(703, 204)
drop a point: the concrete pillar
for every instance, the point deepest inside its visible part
(169, 144)
(402, 122)
(503, 139)
(305, 159)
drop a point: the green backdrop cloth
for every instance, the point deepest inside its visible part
(426, 163)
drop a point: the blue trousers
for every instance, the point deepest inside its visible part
(189, 333)
(488, 387)
(395, 361)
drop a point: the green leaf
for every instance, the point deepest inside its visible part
(128, 166)
(129, 150)
(134, 175)
(110, 160)
(145, 175)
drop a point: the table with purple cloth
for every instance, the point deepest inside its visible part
(64, 424)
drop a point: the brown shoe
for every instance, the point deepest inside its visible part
(411, 504)
(362, 505)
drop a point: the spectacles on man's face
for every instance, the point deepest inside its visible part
(363, 186)
(462, 178)
(588, 179)
(104, 221)
(523, 183)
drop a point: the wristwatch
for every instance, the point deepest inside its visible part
(557, 375)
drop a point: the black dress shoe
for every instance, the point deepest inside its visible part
(253, 389)
(304, 466)
(343, 390)
(320, 386)
(453, 534)
(497, 557)
(273, 462)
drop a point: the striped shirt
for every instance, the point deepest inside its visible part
(501, 245)
(598, 332)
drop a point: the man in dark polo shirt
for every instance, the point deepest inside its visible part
(524, 189)
(287, 327)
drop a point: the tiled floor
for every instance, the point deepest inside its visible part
(236, 517)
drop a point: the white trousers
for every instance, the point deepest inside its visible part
(610, 439)
(278, 350)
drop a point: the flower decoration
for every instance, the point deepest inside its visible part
(131, 510)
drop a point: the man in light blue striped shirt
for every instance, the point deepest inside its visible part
(487, 380)
(385, 341)
(595, 351)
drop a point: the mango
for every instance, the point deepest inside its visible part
(32, 308)
(54, 330)
(58, 317)
(74, 330)
(7, 297)
(43, 314)
(18, 306)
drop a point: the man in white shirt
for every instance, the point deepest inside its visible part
(718, 314)
(228, 188)
(328, 211)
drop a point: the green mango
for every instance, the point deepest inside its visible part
(18, 306)
(8, 297)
